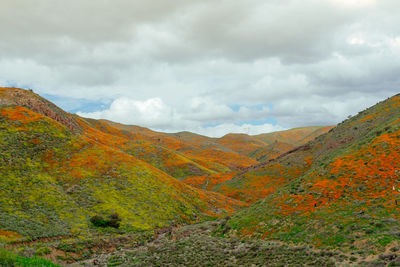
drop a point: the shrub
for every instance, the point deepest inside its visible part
(98, 221)
(112, 221)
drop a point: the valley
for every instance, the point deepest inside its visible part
(78, 191)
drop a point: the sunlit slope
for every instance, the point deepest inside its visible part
(242, 143)
(263, 147)
(133, 143)
(216, 159)
(277, 143)
(296, 136)
(261, 180)
(53, 179)
(346, 196)
(271, 151)
(202, 150)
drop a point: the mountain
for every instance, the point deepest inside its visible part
(58, 170)
(341, 189)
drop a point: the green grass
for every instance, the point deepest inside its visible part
(9, 259)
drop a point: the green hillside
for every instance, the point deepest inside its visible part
(347, 194)
(54, 177)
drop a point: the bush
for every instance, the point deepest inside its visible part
(113, 221)
(98, 221)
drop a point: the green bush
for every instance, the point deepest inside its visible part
(98, 221)
(112, 221)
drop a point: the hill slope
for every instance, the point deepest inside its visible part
(203, 150)
(56, 172)
(340, 189)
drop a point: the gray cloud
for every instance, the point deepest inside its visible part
(311, 61)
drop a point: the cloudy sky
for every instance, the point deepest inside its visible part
(208, 66)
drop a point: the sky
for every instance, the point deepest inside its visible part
(206, 66)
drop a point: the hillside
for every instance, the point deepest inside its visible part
(74, 168)
(263, 147)
(205, 162)
(296, 136)
(136, 144)
(340, 189)
(337, 193)
(231, 152)
(203, 150)
(57, 172)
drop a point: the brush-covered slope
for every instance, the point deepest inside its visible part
(251, 147)
(281, 142)
(202, 161)
(340, 189)
(242, 143)
(258, 181)
(229, 153)
(263, 147)
(203, 150)
(133, 143)
(56, 172)
(271, 151)
(296, 136)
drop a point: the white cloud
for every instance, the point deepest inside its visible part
(223, 129)
(195, 116)
(394, 42)
(182, 65)
(151, 113)
(356, 41)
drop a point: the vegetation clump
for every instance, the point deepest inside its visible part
(113, 221)
(9, 259)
